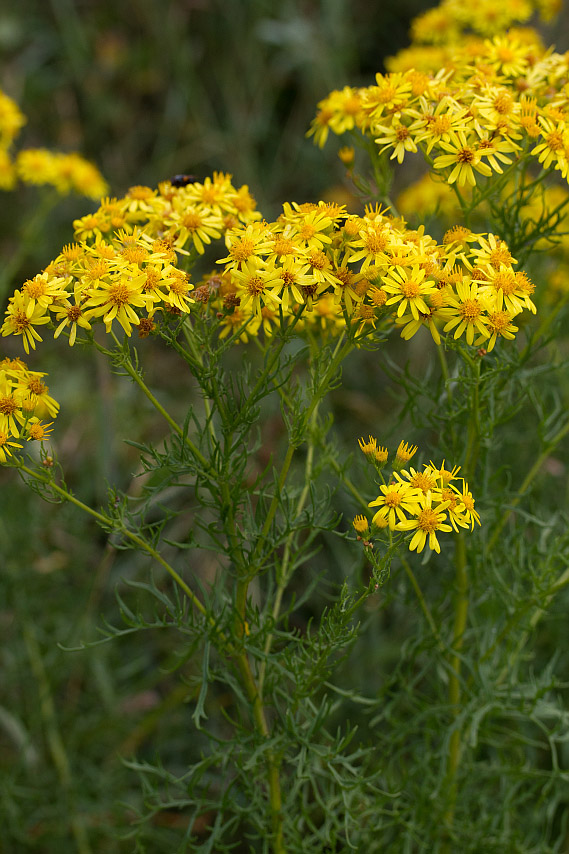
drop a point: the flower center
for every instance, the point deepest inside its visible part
(427, 520)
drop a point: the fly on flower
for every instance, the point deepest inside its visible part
(182, 180)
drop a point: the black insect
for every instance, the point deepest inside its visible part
(182, 180)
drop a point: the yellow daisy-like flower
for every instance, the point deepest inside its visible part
(117, 299)
(423, 480)
(428, 520)
(298, 285)
(464, 156)
(397, 500)
(37, 398)
(19, 320)
(70, 314)
(361, 524)
(43, 291)
(36, 166)
(6, 445)
(404, 453)
(553, 149)
(376, 455)
(467, 505)
(178, 289)
(444, 475)
(245, 243)
(197, 224)
(399, 137)
(467, 313)
(259, 284)
(409, 290)
(10, 406)
(309, 227)
(36, 431)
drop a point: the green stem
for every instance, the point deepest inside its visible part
(199, 359)
(448, 387)
(461, 610)
(110, 523)
(260, 720)
(342, 349)
(284, 578)
(134, 375)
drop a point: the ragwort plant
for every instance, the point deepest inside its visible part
(459, 727)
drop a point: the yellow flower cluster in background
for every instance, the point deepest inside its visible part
(38, 166)
(124, 265)
(451, 19)
(422, 502)
(24, 401)
(487, 108)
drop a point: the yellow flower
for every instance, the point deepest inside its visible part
(404, 453)
(409, 290)
(399, 137)
(258, 284)
(70, 314)
(37, 398)
(118, 299)
(347, 155)
(376, 455)
(19, 320)
(11, 120)
(361, 524)
(466, 506)
(428, 520)
(5, 446)
(37, 431)
(396, 500)
(467, 313)
(36, 166)
(464, 157)
(195, 223)
(554, 147)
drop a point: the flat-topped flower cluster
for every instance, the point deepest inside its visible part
(335, 269)
(24, 401)
(423, 502)
(373, 271)
(124, 265)
(478, 115)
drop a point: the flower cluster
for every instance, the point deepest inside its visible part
(333, 268)
(448, 22)
(24, 401)
(38, 166)
(423, 502)
(470, 119)
(348, 269)
(124, 265)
